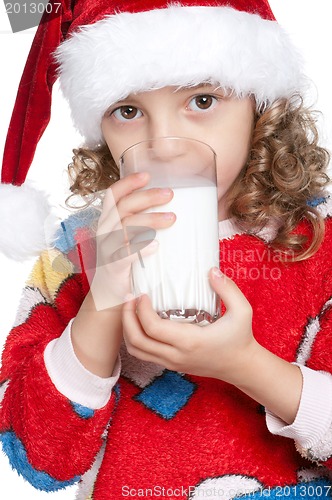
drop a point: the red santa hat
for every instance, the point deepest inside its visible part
(103, 50)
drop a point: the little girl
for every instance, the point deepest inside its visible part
(127, 404)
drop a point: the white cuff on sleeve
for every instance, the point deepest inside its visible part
(72, 379)
(314, 415)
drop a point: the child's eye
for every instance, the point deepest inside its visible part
(127, 113)
(202, 102)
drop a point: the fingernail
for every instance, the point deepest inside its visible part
(142, 176)
(166, 191)
(168, 215)
(216, 272)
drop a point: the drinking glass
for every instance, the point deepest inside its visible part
(175, 276)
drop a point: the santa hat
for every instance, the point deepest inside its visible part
(103, 50)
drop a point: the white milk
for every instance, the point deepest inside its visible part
(176, 275)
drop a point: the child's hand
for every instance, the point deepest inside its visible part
(220, 350)
(122, 205)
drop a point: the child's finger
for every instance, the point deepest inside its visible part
(122, 188)
(228, 291)
(110, 215)
(128, 210)
(129, 303)
(163, 330)
(136, 336)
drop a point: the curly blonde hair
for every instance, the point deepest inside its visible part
(285, 170)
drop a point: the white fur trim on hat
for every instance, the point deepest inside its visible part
(181, 46)
(26, 221)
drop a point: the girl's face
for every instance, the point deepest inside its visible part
(203, 113)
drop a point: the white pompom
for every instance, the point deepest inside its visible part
(25, 219)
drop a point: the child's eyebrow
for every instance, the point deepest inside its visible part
(130, 99)
(206, 87)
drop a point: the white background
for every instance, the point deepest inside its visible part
(308, 23)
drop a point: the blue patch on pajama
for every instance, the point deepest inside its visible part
(167, 394)
(14, 449)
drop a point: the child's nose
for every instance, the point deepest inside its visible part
(164, 124)
(166, 148)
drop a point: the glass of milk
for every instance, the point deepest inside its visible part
(175, 276)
